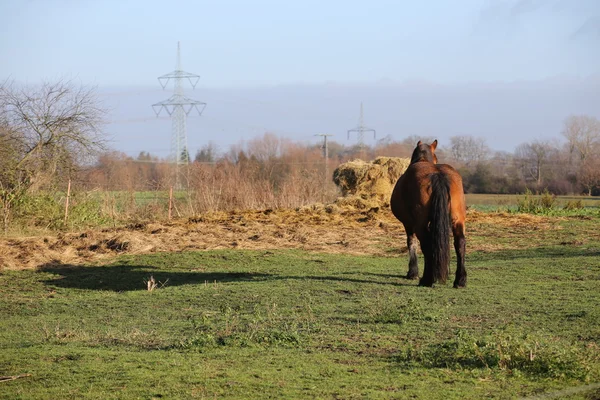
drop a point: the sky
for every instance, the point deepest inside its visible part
(235, 44)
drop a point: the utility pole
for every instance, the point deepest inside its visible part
(360, 130)
(179, 107)
(325, 154)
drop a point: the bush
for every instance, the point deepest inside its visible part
(573, 205)
(536, 204)
(47, 210)
(40, 210)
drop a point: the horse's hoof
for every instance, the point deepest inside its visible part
(459, 285)
(426, 283)
(412, 276)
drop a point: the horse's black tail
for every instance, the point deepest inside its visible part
(439, 226)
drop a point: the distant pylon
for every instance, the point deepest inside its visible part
(361, 129)
(179, 107)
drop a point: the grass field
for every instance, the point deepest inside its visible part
(495, 202)
(301, 324)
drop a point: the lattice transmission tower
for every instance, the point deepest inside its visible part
(361, 129)
(179, 106)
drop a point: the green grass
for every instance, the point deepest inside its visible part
(293, 324)
(562, 206)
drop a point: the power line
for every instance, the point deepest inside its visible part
(135, 120)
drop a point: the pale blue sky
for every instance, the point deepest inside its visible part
(271, 42)
(296, 68)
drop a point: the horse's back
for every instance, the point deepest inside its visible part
(412, 192)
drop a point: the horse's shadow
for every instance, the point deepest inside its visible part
(119, 278)
(341, 278)
(125, 277)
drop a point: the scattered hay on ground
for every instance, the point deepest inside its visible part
(357, 203)
(327, 228)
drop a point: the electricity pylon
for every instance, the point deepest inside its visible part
(361, 129)
(178, 106)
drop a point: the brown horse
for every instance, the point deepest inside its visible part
(428, 199)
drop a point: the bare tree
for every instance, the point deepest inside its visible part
(589, 174)
(267, 147)
(533, 158)
(468, 149)
(55, 125)
(45, 130)
(583, 136)
(411, 141)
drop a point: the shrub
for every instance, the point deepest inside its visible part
(536, 204)
(40, 210)
(573, 205)
(47, 210)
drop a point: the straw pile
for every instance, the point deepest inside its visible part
(367, 185)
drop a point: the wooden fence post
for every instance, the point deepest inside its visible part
(170, 202)
(67, 202)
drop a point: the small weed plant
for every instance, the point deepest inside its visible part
(515, 353)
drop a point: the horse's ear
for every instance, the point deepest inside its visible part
(418, 144)
(434, 145)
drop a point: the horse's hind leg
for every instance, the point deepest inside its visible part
(428, 278)
(413, 264)
(458, 229)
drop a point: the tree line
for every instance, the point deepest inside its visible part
(567, 164)
(52, 132)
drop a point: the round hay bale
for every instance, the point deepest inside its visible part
(372, 181)
(395, 166)
(347, 176)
